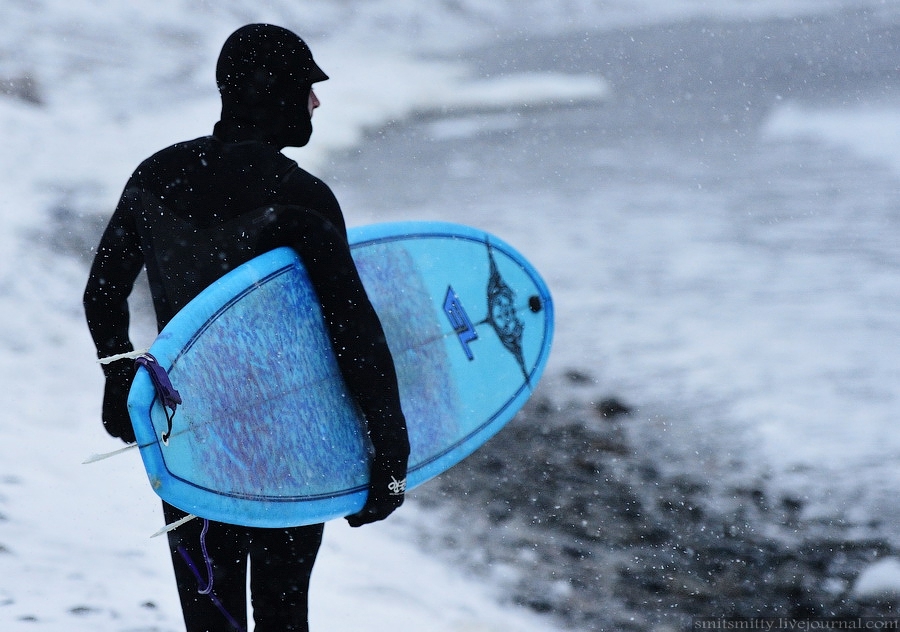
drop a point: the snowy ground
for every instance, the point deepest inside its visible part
(92, 87)
(75, 551)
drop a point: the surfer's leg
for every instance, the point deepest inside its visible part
(281, 562)
(224, 549)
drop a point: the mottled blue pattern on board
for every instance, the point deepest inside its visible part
(257, 420)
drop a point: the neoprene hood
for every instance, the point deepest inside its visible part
(264, 74)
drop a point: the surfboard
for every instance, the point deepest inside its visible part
(266, 433)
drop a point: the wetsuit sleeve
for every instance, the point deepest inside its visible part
(320, 238)
(113, 272)
(362, 353)
(115, 267)
(361, 349)
(356, 333)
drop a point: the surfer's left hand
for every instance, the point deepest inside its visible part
(116, 419)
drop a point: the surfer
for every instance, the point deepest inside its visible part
(189, 214)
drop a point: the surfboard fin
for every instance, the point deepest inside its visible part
(106, 455)
(123, 356)
(173, 525)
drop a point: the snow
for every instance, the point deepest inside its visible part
(870, 131)
(879, 579)
(76, 552)
(118, 81)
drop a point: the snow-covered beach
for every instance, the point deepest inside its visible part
(750, 321)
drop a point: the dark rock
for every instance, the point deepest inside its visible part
(612, 407)
(578, 377)
(23, 88)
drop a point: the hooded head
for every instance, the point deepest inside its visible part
(265, 74)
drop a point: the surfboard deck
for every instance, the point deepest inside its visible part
(267, 434)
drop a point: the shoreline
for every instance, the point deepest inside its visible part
(574, 521)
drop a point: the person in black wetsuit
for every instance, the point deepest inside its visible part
(189, 214)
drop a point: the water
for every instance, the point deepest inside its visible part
(702, 268)
(738, 287)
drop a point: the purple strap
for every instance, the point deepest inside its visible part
(168, 396)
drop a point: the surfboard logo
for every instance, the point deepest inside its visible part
(502, 314)
(460, 321)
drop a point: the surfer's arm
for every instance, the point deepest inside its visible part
(368, 369)
(359, 343)
(115, 267)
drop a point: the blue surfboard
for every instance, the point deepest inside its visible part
(267, 434)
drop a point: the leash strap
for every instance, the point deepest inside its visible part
(206, 587)
(168, 396)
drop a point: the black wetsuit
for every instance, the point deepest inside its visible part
(189, 214)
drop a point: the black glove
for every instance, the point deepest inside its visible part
(119, 375)
(387, 487)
